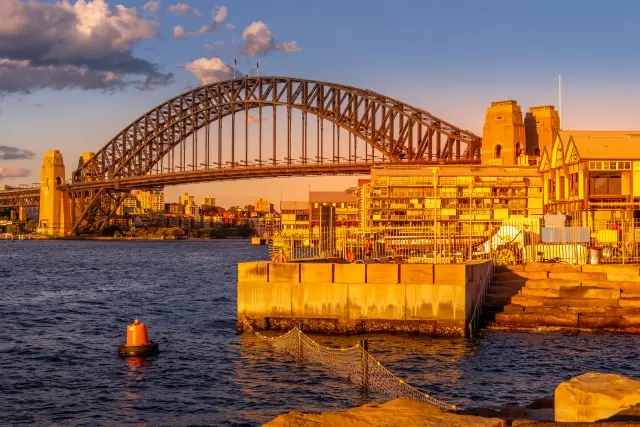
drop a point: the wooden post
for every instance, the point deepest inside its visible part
(364, 344)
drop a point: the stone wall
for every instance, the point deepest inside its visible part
(591, 297)
(427, 298)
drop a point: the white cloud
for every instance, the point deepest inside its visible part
(183, 9)
(14, 173)
(219, 15)
(209, 70)
(152, 7)
(258, 40)
(178, 32)
(229, 26)
(83, 45)
(214, 45)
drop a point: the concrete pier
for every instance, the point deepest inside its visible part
(436, 300)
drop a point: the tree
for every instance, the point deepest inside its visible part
(31, 225)
(233, 210)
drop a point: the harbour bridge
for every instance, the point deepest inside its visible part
(253, 127)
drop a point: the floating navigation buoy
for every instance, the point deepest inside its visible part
(138, 343)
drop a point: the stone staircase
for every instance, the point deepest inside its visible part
(560, 296)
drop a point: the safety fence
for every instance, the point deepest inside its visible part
(355, 364)
(508, 241)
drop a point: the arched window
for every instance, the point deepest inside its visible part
(518, 150)
(498, 151)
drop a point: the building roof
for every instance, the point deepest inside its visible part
(456, 170)
(603, 144)
(294, 205)
(332, 197)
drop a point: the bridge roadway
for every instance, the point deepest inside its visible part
(31, 196)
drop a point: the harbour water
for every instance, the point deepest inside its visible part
(64, 306)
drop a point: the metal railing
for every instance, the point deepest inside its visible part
(509, 241)
(477, 309)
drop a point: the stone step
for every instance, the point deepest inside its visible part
(498, 299)
(579, 277)
(615, 272)
(580, 302)
(629, 295)
(511, 284)
(629, 302)
(527, 300)
(537, 319)
(552, 267)
(497, 289)
(550, 283)
(513, 308)
(622, 311)
(521, 275)
(624, 286)
(599, 322)
(566, 309)
(589, 292)
(540, 292)
(506, 268)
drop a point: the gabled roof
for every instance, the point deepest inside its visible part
(545, 161)
(604, 145)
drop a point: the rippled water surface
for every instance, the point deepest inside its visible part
(64, 307)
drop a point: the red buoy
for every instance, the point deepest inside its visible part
(138, 343)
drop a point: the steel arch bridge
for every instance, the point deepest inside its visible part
(299, 127)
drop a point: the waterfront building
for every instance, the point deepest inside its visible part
(208, 201)
(413, 196)
(266, 225)
(262, 206)
(593, 176)
(345, 204)
(294, 217)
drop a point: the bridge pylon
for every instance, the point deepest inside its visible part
(55, 207)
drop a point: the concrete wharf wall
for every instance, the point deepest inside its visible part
(352, 298)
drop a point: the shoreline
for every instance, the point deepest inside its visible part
(126, 239)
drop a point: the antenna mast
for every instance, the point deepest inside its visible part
(560, 100)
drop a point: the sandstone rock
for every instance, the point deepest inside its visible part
(552, 267)
(622, 311)
(399, 412)
(629, 302)
(513, 308)
(599, 322)
(532, 320)
(550, 283)
(593, 396)
(629, 295)
(526, 300)
(540, 292)
(579, 276)
(624, 286)
(554, 309)
(617, 269)
(580, 302)
(520, 275)
(589, 292)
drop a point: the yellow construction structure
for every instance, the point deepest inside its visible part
(55, 207)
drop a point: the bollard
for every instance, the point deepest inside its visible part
(364, 360)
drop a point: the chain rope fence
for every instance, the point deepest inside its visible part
(354, 363)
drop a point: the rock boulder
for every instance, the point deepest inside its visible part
(399, 412)
(593, 396)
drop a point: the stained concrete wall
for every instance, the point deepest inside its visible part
(442, 292)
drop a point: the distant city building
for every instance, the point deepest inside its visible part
(294, 216)
(151, 201)
(208, 201)
(186, 198)
(345, 204)
(174, 208)
(262, 206)
(128, 206)
(266, 225)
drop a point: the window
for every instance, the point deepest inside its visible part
(605, 183)
(518, 149)
(498, 151)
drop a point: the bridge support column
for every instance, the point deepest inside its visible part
(55, 207)
(22, 214)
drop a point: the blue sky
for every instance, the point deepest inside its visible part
(451, 58)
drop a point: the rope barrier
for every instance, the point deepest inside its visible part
(354, 363)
